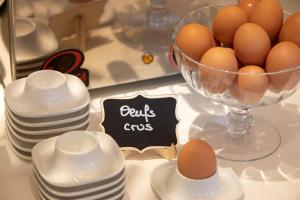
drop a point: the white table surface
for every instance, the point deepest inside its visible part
(276, 177)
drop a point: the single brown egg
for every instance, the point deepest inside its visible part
(283, 56)
(226, 22)
(194, 40)
(251, 44)
(197, 160)
(250, 85)
(290, 30)
(213, 69)
(247, 5)
(269, 15)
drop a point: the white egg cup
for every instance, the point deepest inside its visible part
(34, 40)
(169, 184)
(46, 93)
(77, 158)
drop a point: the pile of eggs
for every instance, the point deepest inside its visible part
(251, 38)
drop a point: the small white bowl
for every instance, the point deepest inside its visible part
(34, 40)
(169, 184)
(61, 120)
(77, 158)
(78, 191)
(46, 93)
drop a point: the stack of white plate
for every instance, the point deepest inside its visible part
(45, 104)
(34, 42)
(78, 165)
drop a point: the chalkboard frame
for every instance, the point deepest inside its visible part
(148, 97)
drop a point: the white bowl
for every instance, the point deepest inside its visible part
(46, 93)
(34, 40)
(169, 184)
(24, 8)
(116, 193)
(49, 130)
(78, 191)
(77, 158)
(34, 123)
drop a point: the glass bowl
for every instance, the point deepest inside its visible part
(239, 137)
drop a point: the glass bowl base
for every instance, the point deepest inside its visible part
(261, 140)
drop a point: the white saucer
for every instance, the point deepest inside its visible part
(19, 121)
(43, 157)
(41, 44)
(79, 191)
(228, 187)
(21, 154)
(21, 106)
(46, 131)
(35, 138)
(113, 194)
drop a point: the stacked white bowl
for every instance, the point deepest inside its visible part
(78, 165)
(34, 42)
(45, 104)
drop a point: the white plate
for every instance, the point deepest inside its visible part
(72, 118)
(26, 108)
(231, 188)
(47, 121)
(43, 152)
(55, 129)
(113, 194)
(43, 43)
(35, 138)
(78, 191)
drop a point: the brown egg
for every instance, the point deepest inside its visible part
(194, 40)
(291, 29)
(251, 44)
(197, 160)
(250, 86)
(213, 79)
(247, 5)
(269, 15)
(226, 22)
(284, 55)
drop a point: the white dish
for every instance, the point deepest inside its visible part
(55, 129)
(23, 8)
(169, 184)
(76, 170)
(18, 121)
(34, 40)
(79, 191)
(35, 138)
(46, 93)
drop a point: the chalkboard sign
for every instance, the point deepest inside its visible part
(141, 123)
